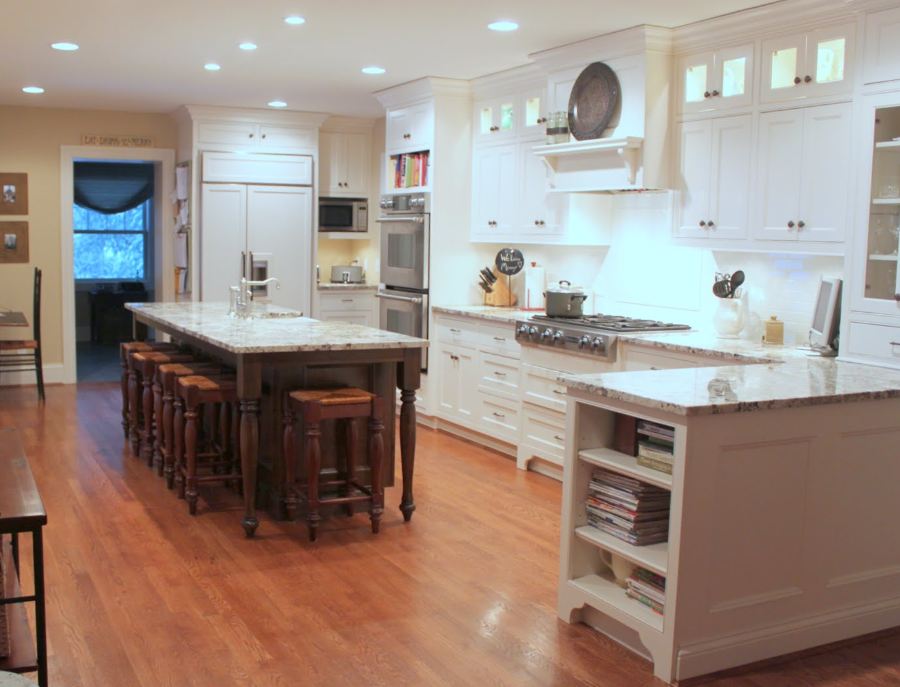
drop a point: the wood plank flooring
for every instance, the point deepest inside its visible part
(140, 594)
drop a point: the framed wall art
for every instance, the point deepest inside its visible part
(13, 193)
(13, 242)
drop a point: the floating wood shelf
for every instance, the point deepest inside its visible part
(627, 148)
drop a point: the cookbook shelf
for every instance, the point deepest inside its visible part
(653, 557)
(626, 465)
(606, 596)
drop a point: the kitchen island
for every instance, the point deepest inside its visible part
(276, 350)
(782, 515)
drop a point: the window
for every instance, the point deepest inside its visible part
(111, 246)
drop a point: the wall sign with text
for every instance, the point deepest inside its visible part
(117, 141)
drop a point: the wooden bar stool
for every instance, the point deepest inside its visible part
(145, 364)
(192, 393)
(166, 375)
(130, 384)
(313, 406)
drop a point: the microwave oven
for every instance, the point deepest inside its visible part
(343, 214)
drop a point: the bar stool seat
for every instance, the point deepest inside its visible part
(131, 383)
(146, 364)
(310, 407)
(191, 393)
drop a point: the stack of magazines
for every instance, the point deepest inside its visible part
(656, 446)
(629, 509)
(648, 588)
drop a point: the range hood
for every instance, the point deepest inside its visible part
(633, 153)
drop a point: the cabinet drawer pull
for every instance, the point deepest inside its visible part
(895, 343)
(455, 331)
(560, 392)
(346, 300)
(499, 374)
(496, 414)
(499, 338)
(558, 437)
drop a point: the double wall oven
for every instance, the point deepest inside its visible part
(403, 294)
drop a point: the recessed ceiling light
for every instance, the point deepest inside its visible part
(503, 25)
(277, 103)
(247, 46)
(294, 20)
(373, 70)
(211, 67)
(65, 47)
(32, 89)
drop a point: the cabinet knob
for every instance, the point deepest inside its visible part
(710, 224)
(541, 222)
(790, 224)
(807, 78)
(702, 223)
(263, 136)
(896, 296)
(715, 93)
(797, 79)
(801, 224)
(250, 135)
(535, 222)
(707, 94)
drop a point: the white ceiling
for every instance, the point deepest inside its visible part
(148, 55)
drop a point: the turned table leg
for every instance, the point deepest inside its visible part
(249, 456)
(408, 379)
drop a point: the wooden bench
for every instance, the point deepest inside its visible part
(21, 510)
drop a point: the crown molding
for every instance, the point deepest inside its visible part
(341, 124)
(634, 41)
(309, 119)
(508, 81)
(422, 89)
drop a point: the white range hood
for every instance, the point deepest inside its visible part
(633, 153)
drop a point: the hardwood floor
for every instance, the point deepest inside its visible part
(142, 594)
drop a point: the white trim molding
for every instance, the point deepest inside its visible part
(164, 227)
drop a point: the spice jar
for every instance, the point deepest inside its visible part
(774, 331)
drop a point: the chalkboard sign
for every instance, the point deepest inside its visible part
(510, 261)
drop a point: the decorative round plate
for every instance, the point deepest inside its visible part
(593, 101)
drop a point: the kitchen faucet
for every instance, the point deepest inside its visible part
(241, 297)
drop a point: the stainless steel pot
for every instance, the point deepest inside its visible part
(347, 274)
(564, 300)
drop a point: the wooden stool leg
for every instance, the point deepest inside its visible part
(124, 385)
(178, 444)
(133, 411)
(289, 456)
(190, 454)
(157, 425)
(312, 433)
(350, 438)
(168, 439)
(376, 460)
(147, 431)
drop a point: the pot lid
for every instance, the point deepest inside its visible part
(565, 287)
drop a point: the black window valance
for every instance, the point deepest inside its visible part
(112, 187)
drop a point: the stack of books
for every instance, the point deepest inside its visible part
(410, 170)
(656, 446)
(648, 588)
(629, 509)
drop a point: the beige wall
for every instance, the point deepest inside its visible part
(30, 140)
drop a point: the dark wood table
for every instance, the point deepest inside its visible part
(381, 366)
(21, 510)
(12, 318)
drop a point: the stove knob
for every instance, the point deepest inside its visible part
(598, 344)
(532, 332)
(558, 337)
(584, 342)
(546, 335)
(522, 330)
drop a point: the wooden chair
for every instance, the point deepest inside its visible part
(313, 406)
(192, 393)
(131, 383)
(24, 355)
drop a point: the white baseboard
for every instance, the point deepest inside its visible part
(475, 437)
(748, 647)
(53, 374)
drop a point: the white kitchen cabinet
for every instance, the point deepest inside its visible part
(532, 116)
(495, 120)
(712, 81)
(882, 58)
(714, 158)
(344, 163)
(356, 307)
(223, 239)
(281, 138)
(499, 417)
(803, 174)
(494, 189)
(457, 385)
(808, 65)
(539, 213)
(410, 129)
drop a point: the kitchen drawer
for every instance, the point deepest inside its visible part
(363, 317)
(644, 359)
(457, 332)
(499, 375)
(876, 341)
(500, 339)
(539, 386)
(227, 133)
(500, 417)
(346, 301)
(544, 432)
(288, 137)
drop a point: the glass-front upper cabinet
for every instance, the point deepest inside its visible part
(495, 119)
(808, 65)
(533, 109)
(717, 80)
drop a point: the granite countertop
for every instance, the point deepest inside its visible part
(485, 312)
(708, 344)
(741, 388)
(340, 286)
(288, 333)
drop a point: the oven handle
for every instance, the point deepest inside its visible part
(418, 219)
(390, 297)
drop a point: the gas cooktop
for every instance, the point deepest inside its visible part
(593, 334)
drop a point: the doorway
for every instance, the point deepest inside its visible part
(115, 215)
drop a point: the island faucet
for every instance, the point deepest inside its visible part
(241, 297)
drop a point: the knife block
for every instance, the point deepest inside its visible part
(502, 295)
